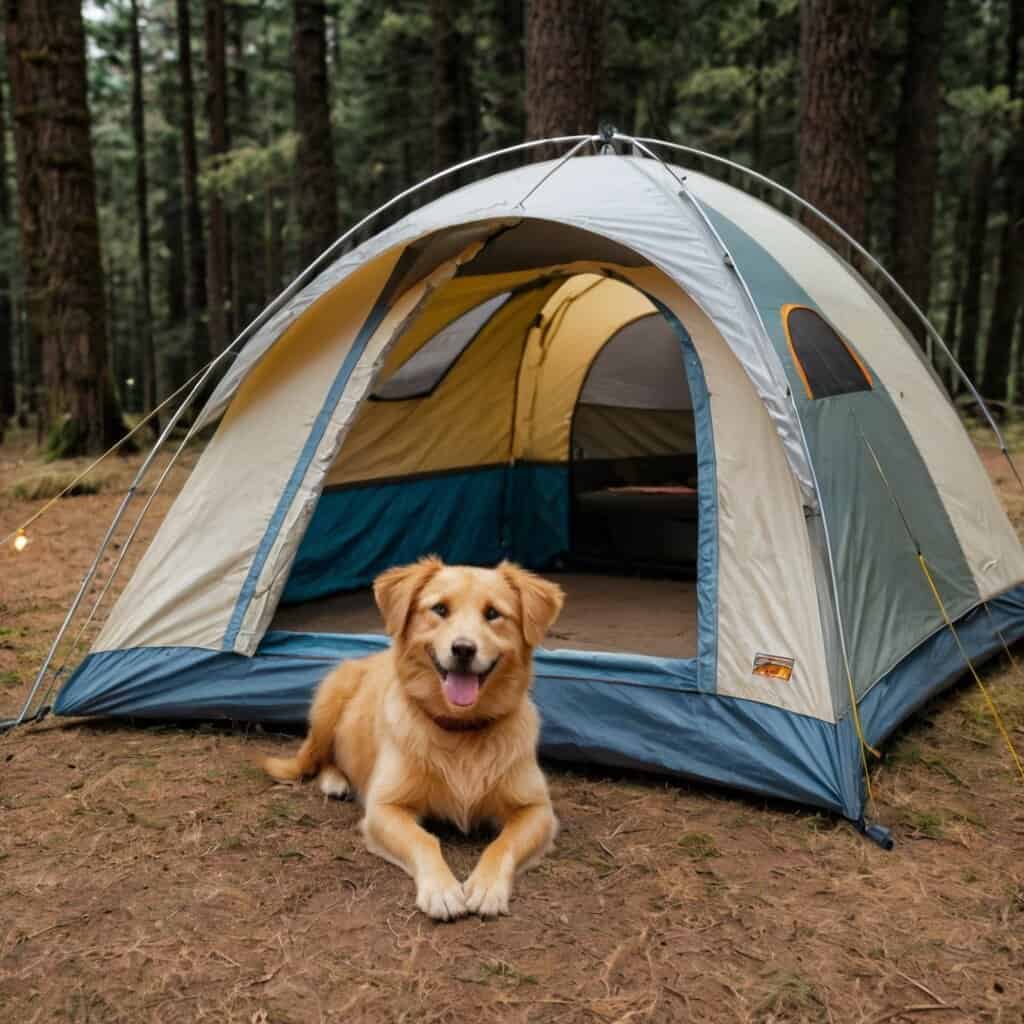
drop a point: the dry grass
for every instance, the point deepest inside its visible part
(153, 874)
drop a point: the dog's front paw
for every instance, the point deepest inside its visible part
(441, 899)
(332, 783)
(486, 894)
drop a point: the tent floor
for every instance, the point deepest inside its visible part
(602, 613)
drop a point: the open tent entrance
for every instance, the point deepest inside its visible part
(633, 456)
(548, 418)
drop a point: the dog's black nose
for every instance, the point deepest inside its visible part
(464, 650)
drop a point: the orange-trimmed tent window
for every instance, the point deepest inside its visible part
(827, 364)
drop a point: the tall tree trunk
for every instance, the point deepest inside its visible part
(1009, 296)
(248, 296)
(138, 115)
(316, 178)
(981, 188)
(951, 329)
(7, 394)
(835, 102)
(172, 229)
(449, 143)
(60, 240)
(218, 263)
(917, 151)
(200, 342)
(564, 62)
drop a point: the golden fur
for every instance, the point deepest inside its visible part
(397, 728)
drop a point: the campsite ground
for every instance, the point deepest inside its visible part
(153, 874)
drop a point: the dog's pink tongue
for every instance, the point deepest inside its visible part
(461, 689)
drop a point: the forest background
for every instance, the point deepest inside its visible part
(167, 166)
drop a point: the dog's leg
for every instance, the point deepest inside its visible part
(392, 832)
(527, 835)
(317, 750)
(333, 783)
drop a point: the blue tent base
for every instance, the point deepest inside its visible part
(627, 711)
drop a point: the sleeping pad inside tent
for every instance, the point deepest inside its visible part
(670, 397)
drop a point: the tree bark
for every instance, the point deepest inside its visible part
(951, 329)
(172, 231)
(1009, 295)
(8, 398)
(200, 342)
(316, 178)
(981, 188)
(138, 117)
(218, 262)
(449, 143)
(564, 63)
(58, 223)
(835, 109)
(917, 151)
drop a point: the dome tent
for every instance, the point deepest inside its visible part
(424, 393)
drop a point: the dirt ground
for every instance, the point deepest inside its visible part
(153, 874)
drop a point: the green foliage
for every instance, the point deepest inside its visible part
(235, 173)
(720, 77)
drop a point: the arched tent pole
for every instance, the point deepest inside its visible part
(301, 280)
(932, 333)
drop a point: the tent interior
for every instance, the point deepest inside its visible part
(539, 413)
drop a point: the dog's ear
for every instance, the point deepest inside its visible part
(396, 590)
(540, 601)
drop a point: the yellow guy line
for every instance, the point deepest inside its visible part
(113, 448)
(974, 672)
(945, 615)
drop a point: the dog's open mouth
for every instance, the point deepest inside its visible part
(461, 689)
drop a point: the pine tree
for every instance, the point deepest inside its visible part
(916, 163)
(218, 257)
(835, 91)
(58, 224)
(7, 338)
(190, 187)
(1009, 294)
(564, 61)
(316, 181)
(138, 119)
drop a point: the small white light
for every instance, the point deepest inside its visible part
(20, 540)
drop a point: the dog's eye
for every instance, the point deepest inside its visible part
(490, 614)
(440, 609)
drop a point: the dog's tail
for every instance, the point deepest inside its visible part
(317, 750)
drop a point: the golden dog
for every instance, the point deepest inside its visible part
(441, 725)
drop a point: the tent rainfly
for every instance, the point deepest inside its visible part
(652, 385)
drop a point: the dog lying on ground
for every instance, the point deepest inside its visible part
(441, 725)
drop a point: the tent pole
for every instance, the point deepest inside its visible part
(114, 523)
(561, 163)
(932, 334)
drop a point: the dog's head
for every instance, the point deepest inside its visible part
(464, 636)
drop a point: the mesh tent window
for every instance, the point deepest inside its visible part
(827, 365)
(420, 375)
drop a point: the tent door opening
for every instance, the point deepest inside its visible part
(633, 458)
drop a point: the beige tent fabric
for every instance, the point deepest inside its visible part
(186, 586)
(981, 525)
(767, 596)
